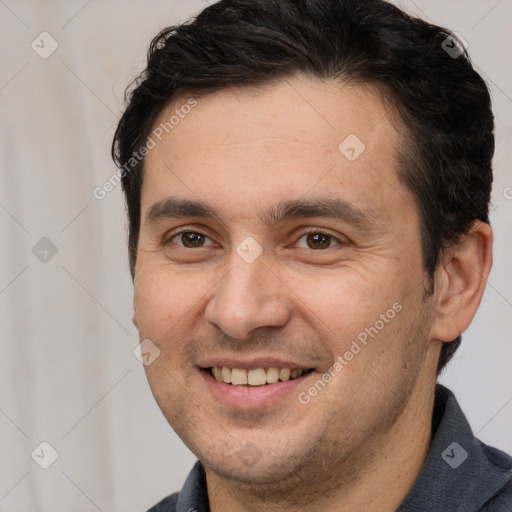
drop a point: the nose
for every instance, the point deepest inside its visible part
(248, 297)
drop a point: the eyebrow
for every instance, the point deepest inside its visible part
(333, 208)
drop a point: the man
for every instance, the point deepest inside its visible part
(307, 185)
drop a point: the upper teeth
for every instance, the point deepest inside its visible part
(255, 377)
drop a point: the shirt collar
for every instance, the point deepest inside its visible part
(457, 474)
(194, 494)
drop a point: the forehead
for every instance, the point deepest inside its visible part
(294, 138)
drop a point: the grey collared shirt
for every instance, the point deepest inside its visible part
(460, 474)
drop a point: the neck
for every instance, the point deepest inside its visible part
(376, 478)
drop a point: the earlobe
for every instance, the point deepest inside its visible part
(460, 282)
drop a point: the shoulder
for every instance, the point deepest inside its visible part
(501, 501)
(501, 495)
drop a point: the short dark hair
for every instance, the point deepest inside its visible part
(443, 104)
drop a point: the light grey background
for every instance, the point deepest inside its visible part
(68, 373)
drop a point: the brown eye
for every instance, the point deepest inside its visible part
(317, 240)
(190, 239)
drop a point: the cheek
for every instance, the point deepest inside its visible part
(342, 306)
(164, 301)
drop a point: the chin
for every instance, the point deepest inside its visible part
(255, 463)
(261, 473)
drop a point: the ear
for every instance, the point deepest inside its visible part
(134, 315)
(460, 282)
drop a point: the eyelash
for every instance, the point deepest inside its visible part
(314, 231)
(320, 232)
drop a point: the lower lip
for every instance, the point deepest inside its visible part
(250, 397)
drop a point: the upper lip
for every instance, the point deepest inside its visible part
(252, 363)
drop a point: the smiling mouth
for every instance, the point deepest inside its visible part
(256, 376)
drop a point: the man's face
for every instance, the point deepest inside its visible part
(305, 254)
